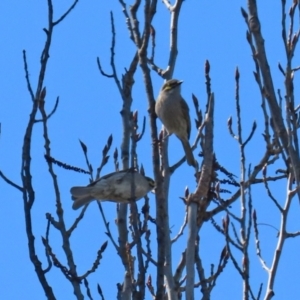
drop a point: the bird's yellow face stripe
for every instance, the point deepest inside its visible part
(169, 87)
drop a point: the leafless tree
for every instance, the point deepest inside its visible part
(133, 245)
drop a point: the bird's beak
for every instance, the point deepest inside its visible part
(180, 82)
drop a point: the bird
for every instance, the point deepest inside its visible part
(173, 112)
(114, 187)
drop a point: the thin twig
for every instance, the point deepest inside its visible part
(11, 182)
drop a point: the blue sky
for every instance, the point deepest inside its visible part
(89, 110)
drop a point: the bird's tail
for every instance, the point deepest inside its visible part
(81, 196)
(188, 153)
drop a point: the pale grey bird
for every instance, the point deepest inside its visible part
(114, 187)
(173, 112)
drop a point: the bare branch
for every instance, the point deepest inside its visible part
(180, 233)
(128, 20)
(66, 13)
(11, 182)
(52, 112)
(101, 70)
(96, 262)
(47, 241)
(257, 242)
(27, 76)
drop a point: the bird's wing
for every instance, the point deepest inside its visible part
(186, 115)
(112, 175)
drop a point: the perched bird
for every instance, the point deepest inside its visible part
(114, 187)
(173, 112)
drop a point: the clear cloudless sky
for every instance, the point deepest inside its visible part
(89, 110)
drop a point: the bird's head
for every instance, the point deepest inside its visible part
(151, 183)
(171, 85)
